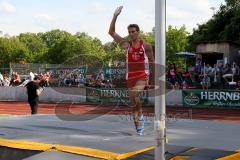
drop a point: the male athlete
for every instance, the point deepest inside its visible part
(138, 56)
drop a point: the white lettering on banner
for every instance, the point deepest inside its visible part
(204, 95)
(225, 96)
(222, 96)
(116, 71)
(229, 96)
(211, 96)
(118, 93)
(114, 93)
(216, 94)
(236, 97)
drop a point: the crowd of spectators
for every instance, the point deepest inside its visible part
(64, 78)
(198, 76)
(16, 79)
(98, 80)
(77, 79)
(68, 77)
(204, 76)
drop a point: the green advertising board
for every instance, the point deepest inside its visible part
(117, 76)
(112, 71)
(211, 98)
(112, 96)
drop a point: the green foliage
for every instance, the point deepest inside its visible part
(61, 47)
(224, 25)
(91, 52)
(176, 41)
(148, 37)
(55, 46)
(114, 52)
(12, 50)
(36, 46)
(89, 45)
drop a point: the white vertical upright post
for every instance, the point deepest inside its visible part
(160, 59)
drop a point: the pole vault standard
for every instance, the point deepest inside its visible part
(160, 59)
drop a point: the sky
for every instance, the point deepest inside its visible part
(94, 16)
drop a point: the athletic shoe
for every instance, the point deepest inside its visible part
(141, 129)
(142, 121)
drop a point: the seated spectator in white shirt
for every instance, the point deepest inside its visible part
(227, 73)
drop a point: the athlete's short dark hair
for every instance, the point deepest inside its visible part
(134, 26)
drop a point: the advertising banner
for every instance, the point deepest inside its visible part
(112, 96)
(211, 98)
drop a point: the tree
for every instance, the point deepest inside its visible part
(148, 37)
(224, 25)
(91, 47)
(176, 41)
(60, 45)
(37, 48)
(114, 52)
(12, 50)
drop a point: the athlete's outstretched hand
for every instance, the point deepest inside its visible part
(118, 10)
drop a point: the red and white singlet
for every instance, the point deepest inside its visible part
(137, 64)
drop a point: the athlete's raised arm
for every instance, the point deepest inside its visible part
(111, 31)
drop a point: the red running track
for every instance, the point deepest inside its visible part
(22, 108)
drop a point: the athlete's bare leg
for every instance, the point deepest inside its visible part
(135, 99)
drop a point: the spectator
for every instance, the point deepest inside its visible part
(31, 76)
(191, 70)
(92, 82)
(198, 65)
(109, 84)
(238, 85)
(1, 77)
(61, 79)
(6, 81)
(16, 80)
(25, 82)
(33, 91)
(216, 75)
(221, 68)
(237, 75)
(187, 79)
(208, 71)
(227, 73)
(1, 80)
(205, 82)
(45, 79)
(198, 69)
(171, 75)
(185, 85)
(235, 70)
(180, 78)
